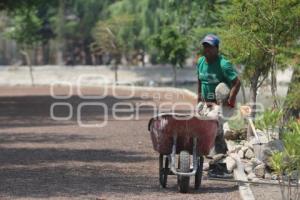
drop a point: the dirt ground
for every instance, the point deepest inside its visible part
(42, 158)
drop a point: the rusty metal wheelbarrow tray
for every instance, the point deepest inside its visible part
(174, 133)
(165, 126)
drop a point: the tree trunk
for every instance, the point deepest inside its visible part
(28, 62)
(60, 34)
(292, 112)
(273, 68)
(87, 51)
(274, 86)
(174, 75)
(243, 93)
(35, 55)
(45, 53)
(93, 59)
(116, 73)
(116, 62)
(253, 95)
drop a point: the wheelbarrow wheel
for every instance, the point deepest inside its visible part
(198, 176)
(163, 170)
(184, 166)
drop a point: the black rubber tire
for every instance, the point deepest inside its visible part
(198, 176)
(184, 166)
(163, 170)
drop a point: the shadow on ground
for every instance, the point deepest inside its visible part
(26, 156)
(89, 180)
(32, 111)
(49, 138)
(70, 181)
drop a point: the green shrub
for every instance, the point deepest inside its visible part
(288, 162)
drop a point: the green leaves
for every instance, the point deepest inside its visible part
(277, 162)
(269, 119)
(293, 97)
(171, 45)
(25, 28)
(289, 160)
(107, 34)
(148, 17)
(261, 35)
(287, 163)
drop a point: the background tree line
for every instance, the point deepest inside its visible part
(259, 36)
(68, 31)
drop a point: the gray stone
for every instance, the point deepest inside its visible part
(230, 164)
(251, 176)
(264, 148)
(230, 146)
(259, 170)
(255, 162)
(285, 178)
(269, 148)
(248, 169)
(258, 145)
(218, 157)
(241, 154)
(268, 176)
(274, 177)
(222, 92)
(223, 160)
(244, 149)
(263, 137)
(226, 129)
(238, 147)
(256, 179)
(249, 145)
(249, 154)
(248, 164)
(295, 175)
(205, 166)
(234, 149)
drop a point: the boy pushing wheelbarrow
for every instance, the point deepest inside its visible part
(217, 81)
(184, 135)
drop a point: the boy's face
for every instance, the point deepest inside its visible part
(210, 51)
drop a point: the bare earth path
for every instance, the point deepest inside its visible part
(43, 158)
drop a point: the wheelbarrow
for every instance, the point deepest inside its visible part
(183, 135)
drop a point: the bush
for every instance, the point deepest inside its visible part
(286, 164)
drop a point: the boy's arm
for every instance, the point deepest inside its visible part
(199, 90)
(232, 76)
(236, 83)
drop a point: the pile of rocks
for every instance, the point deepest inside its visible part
(254, 168)
(254, 155)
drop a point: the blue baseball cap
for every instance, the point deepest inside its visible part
(211, 39)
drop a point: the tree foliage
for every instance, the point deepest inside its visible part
(25, 29)
(148, 16)
(109, 38)
(172, 47)
(286, 164)
(14, 5)
(262, 37)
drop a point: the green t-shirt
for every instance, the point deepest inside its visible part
(212, 74)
